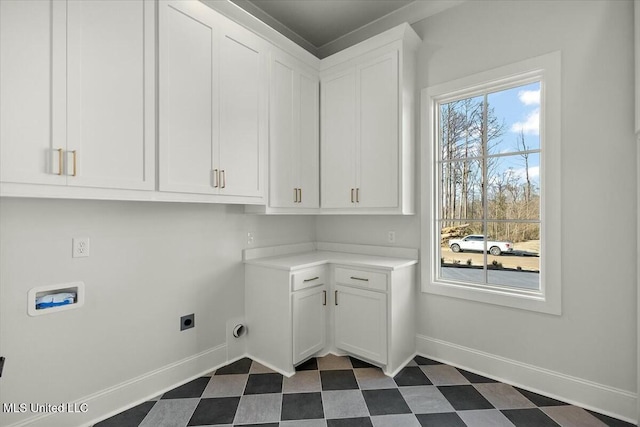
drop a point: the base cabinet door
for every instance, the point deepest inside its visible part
(361, 322)
(309, 322)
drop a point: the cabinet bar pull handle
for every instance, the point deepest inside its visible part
(359, 278)
(324, 297)
(357, 195)
(299, 195)
(335, 297)
(352, 195)
(295, 195)
(75, 163)
(310, 280)
(224, 179)
(216, 178)
(59, 161)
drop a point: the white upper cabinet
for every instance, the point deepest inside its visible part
(367, 138)
(78, 93)
(339, 130)
(294, 180)
(110, 94)
(636, 21)
(377, 162)
(213, 110)
(242, 112)
(187, 128)
(30, 153)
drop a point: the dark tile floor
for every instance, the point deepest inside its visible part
(337, 391)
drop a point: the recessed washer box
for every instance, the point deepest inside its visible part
(74, 287)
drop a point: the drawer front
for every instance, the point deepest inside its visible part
(309, 278)
(361, 278)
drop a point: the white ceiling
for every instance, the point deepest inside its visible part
(320, 22)
(324, 27)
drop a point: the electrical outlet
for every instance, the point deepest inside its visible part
(188, 321)
(80, 247)
(249, 238)
(391, 237)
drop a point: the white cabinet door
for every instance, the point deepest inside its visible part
(282, 135)
(338, 136)
(242, 110)
(187, 36)
(309, 322)
(110, 94)
(293, 136)
(309, 139)
(378, 149)
(361, 323)
(32, 78)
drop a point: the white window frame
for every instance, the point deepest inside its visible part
(546, 69)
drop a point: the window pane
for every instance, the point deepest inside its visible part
(461, 254)
(461, 190)
(513, 190)
(514, 255)
(460, 128)
(513, 119)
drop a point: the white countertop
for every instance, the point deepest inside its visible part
(298, 261)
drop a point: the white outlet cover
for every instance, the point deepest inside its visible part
(80, 247)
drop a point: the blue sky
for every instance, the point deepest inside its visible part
(519, 109)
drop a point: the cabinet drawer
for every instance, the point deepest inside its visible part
(308, 278)
(361, 278)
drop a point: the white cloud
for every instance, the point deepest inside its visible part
(521, 174)
(531, 126)
(529, 97)
(534, 172)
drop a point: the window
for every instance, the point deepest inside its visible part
(491, 186)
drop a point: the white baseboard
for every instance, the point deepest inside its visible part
(113, 400)
(590, 395)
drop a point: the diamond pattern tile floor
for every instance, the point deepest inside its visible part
(336, 391)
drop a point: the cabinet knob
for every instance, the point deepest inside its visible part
(352, 195)
(335, 298)
(324, 297)
(223, 178)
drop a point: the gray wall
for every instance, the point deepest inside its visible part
(150, 263)
(595, 337)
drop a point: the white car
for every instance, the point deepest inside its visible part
(475, 242)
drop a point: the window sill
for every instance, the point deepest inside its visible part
(525, 300)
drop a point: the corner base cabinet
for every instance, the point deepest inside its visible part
(286, 315)
(297, 310)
